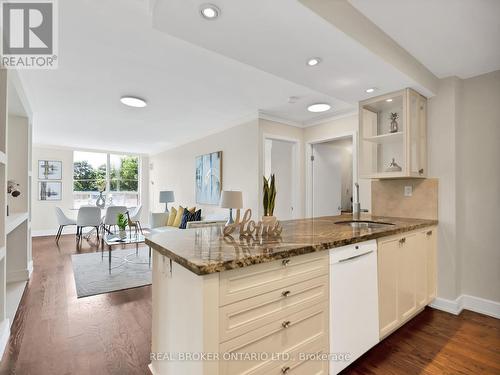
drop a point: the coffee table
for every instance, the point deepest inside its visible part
(113, 239)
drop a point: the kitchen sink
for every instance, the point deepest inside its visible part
(364, 224)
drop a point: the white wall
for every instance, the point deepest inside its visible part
(44, 220)
(442, 123)
(478, 186)
(464, 144)
(333, 129)
(175, 169)
(278, 130)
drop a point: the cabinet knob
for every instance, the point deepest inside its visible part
(429, 233)
(285, 370)
(286, 293)
(286, 324)
(402, 240)
(421, 171)
(285, 262)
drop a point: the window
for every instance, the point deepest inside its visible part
(117, 176)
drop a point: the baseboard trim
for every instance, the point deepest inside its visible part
(467, 302)
(4, 335)
(19, 275)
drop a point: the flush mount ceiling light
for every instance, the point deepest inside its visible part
(209, 11)
(388, 100)
(133, 101)
(370, 90)
(319, 107)
(313, 61)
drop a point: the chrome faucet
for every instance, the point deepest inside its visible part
(356, 206)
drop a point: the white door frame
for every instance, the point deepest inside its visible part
(308, 170)
(295, 169)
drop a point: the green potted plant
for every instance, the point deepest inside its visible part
(269, 199)
(122, 223)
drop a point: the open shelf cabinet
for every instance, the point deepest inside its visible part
(399, 143)
(15, 163)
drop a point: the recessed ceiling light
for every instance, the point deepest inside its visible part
(313, 61)
(371, 89)
(133, 101)
(388, 100)
(319, 107)
(209, 11)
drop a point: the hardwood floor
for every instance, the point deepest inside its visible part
(436, 342)
(56, 333)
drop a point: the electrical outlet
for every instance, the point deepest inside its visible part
(408, 191)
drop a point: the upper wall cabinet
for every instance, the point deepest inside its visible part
(393, 139)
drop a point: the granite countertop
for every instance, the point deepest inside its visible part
(206, 250)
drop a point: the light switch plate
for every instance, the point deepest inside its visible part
(408, 191)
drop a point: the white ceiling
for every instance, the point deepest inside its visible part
(450, 37)
(198, 76)
(191, 91)
(278, 37)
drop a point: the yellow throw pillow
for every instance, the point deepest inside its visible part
(171, 217)
(178, 217)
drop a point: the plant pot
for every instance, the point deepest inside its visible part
(268, 221)
(122, 234)
(394, 126)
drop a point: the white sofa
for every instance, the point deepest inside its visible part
(158, 222)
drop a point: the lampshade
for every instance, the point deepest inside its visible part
(231, 199)
(167, 196)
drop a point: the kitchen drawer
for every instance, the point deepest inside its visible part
(246, 315)
(305, 327)
(247, 282)
(295, 364)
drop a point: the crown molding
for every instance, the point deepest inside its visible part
(336, 116)
(269, 117)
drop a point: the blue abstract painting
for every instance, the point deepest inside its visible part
(209, 178)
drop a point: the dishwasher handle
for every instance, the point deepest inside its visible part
(354, 257)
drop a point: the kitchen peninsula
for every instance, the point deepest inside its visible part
(256, 305)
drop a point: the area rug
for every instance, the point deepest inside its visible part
(128, 270)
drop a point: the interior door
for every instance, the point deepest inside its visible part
(326, 181)
(279, 160)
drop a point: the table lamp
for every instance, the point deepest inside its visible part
(166, 197)
(231, 199)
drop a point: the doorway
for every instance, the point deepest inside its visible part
(332, 170)
(280, 157)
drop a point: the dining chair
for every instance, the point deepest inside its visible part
(111, 217)
(87, 217)
(63, 221)
(134, 218)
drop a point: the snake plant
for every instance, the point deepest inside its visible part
(269, 195)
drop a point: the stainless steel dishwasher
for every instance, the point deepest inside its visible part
(354, 322)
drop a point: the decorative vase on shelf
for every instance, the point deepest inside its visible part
(394, 123)
(393, 167)
(100, 202)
